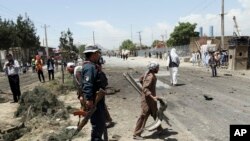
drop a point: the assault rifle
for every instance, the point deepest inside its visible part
(99, 95)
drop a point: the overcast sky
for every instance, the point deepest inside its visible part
(114, 21)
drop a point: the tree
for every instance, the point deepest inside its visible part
(155, 43)
(67, 45)
(127, 45)
(81, 49)
(26, 36)
(7, 34)
(182, 34)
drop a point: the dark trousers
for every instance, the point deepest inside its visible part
(98, 122)
(214, 71)
(40, 73)
(15, 86)
(51, 73)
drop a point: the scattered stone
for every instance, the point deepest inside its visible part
(227, 74)
(208, 97)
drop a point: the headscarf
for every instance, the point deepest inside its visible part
(174, 56)
(153, 65)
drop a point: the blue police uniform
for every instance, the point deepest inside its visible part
(90, 85)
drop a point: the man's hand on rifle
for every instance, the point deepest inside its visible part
(89, 104)
(81, 99)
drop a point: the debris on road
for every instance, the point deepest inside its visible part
(208, 97)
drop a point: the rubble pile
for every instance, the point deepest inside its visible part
(40, 102)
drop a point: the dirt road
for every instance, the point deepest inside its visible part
(193, 118)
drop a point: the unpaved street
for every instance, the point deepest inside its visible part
(193, 118)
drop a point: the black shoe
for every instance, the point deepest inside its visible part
(110, 124)
(14, 102)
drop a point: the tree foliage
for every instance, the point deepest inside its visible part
(182, 34)
(67, 45)
(20, 34)
(26, 33)
(81, 49)
(7, 34)
(128, 45)
(155, 43)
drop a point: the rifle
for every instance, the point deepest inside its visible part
(99, 95)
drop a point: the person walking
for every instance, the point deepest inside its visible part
(213, 64)
(173, 63)
(39, 69)
(148, 99)
(91, 83)
(33, 65)
(193, 58)
(50, 67)
(11, 68)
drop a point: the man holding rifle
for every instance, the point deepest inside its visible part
(91, 84)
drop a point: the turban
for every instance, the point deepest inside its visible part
(153, 65)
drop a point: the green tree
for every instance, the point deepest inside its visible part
(155, 42)
(182, 34)
(26, 36)
(81, 49)
(7, 34)
(67, 46)
(127, 44)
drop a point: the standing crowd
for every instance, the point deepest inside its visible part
(12, 70)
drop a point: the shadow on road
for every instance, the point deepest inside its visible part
(180, 84)
(163, 135)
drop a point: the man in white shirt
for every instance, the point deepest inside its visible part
(11, 69)
(173, 63)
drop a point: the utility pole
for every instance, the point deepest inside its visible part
(140, 38)
(166, 32)
(162, 36)
(222, 24)
(94, 37)
(152, 34)
(131, 31)
(46, 40)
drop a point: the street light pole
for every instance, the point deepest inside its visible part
(140, 38)
(46, 40)
(222, 24)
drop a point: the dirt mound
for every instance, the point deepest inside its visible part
(40, 102)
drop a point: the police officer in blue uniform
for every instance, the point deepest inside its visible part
(90, 85)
